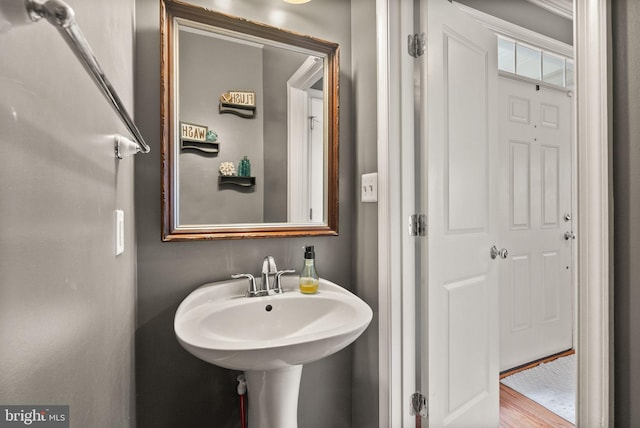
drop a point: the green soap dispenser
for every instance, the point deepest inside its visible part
(309, 275)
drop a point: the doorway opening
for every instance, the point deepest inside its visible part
(592, 222)
(537, 284)
(537, 205)
(305, 143)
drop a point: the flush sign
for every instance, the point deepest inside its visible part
(239, 99)
(240, 103)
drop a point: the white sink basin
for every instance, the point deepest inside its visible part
(218, 324)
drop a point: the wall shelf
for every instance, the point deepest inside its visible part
(237, 180)
(203, 146)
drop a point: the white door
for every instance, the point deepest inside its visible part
(316, 157)
(461, 299)
(536, 309)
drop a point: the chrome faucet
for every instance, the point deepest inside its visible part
(269, 270)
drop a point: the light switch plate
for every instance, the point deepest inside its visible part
(369, 187)
(119, 232)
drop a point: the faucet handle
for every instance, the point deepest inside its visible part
(277, 288)
(252, 291)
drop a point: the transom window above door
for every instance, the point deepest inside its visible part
(535, 63)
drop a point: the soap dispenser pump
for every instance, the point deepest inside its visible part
(309, 275)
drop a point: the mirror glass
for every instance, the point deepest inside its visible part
(250, 135)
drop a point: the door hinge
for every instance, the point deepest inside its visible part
(418, 405)
(417, 225)
(416, 44)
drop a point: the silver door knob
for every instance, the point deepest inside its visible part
(569, 235)
(495, 253)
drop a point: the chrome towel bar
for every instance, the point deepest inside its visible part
(62, 17)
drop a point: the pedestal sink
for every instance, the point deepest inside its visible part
(269, 337)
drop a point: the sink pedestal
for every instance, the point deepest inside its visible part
(273, 397)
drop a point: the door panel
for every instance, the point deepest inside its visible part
(467, 359)
(520, 292)
(461, 298)
(536, 310)
(550, 286)
(465, 101)
(550, 186)
(519, 110)
(520, 184)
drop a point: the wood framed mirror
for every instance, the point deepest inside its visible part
(232, 91)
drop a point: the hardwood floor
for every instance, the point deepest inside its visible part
(518, 411)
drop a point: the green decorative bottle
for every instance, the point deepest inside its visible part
(247, 167)
(241, 168)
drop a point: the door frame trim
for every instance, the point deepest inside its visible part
(595, 282)
(389, 221)
(594, 293)
(515, 32)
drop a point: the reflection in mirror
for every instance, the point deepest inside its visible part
(249, 128)
(264, 71)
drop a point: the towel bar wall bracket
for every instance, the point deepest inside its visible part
(124, 147)
(62, 16)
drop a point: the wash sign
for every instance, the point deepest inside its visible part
(192, 132)
(34, 416)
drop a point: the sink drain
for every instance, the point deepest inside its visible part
(268, 308)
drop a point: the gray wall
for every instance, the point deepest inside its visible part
(207, 72)
(527, 15)
(626, 219)
(365, 236)
(279, 65)
(173, 387)
(66, 300)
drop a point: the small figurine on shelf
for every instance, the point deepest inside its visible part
(227, 169)
(212, 136)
